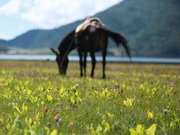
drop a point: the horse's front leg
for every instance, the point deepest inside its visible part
(93, 63)
(104, 64)
(80, 63)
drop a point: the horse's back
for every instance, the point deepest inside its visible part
(93, 40)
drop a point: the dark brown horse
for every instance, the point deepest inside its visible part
(91, 40)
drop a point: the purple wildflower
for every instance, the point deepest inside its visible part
(24, 74)
(59, 120)
(133, 83)
(50, 76)
(71, 124)
(56, 118)
(49, 124)
(160, 83)
(171, 83)
(77, 84)
(43, 79)
(31, 74)
(177, 109)
(110, 90)
(118, 89)
(165, 111)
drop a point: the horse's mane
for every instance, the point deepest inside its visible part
(67, 44)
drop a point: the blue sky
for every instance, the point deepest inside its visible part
(19, 16)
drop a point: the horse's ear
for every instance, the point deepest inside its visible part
(54, 51)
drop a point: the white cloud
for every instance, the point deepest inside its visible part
(11, 8)
(48, 14)
(4, 36)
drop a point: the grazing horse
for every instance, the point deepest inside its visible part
(65, 47)
(91, 39)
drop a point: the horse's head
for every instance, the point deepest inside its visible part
(62, 61)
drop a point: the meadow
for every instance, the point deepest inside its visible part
(135, 99)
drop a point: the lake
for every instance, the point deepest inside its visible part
(98, 58)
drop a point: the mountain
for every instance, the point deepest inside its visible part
(41, 38)
(3, 42)
(151, 27)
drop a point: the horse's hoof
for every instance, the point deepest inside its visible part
(104, 77)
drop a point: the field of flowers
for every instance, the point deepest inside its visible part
(135, 99)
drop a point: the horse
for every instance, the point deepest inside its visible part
(92, 39)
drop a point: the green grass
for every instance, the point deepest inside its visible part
(134, 99)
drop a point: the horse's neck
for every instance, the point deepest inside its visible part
(67, 44)
(67, 48)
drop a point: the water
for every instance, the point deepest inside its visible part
(98, 58)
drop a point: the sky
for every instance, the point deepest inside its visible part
(20, 16)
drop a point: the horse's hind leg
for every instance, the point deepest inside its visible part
(84, 64)
(93, 63)
(80, 63)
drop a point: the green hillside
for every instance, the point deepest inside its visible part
(151, 27)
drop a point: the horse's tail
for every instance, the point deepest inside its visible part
(118, 39)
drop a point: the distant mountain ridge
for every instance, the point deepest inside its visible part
(151, 27)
